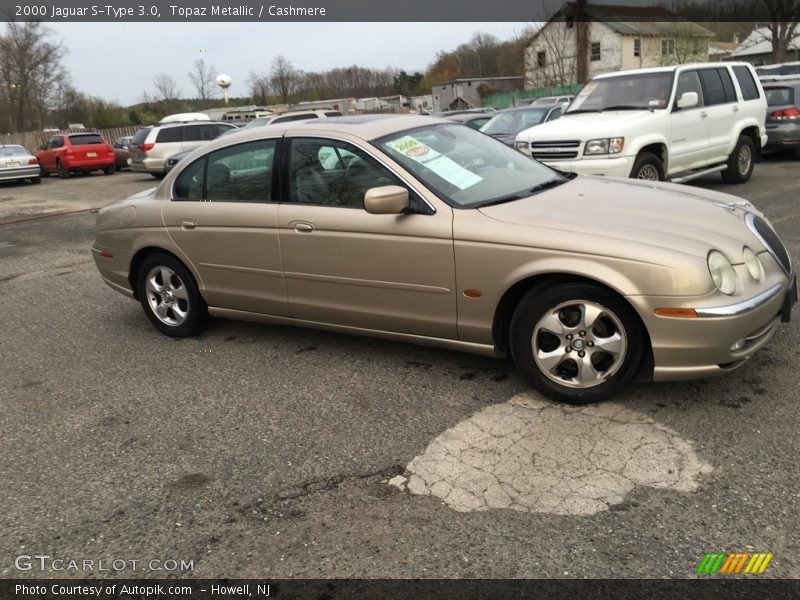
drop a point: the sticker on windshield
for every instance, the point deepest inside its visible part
(444, 167)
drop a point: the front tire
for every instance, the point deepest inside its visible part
(647, 167)
(740, 162)
(576, 342)
(169, 296)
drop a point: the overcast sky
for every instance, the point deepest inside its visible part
(117, 61)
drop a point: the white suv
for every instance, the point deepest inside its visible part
(674, 123)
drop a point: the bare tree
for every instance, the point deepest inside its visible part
(551, 57)
(784, 15)
(283, 78)
(203, 79)
(166, 88)
(30, 74)
(259, 87)
(682, 44)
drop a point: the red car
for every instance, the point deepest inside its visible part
(67, 152)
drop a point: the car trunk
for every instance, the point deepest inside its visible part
(89, 146)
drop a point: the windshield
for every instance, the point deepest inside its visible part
(467, 168)
(625, 92)
(514, 121)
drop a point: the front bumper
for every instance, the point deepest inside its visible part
(689, 348)
(620, 166)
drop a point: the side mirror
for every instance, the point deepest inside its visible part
(386, 200)
(688, 100)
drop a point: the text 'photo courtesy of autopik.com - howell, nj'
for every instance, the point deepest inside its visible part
(350, 299)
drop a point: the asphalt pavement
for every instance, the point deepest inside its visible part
(256, 450)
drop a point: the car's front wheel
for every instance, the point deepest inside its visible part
(740, 162)
(576, 342)
(169, 296)
(648, 167)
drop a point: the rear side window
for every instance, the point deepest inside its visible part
(727, 85)
(712, 85)
(86, 138)
(746, 83)
(779, 96)
(199, 133)
(140, 136)
(222, 128)
(170, 134)
(241, 173)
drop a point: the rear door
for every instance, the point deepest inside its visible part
(47, 157)
(722, 108)
(223, 218)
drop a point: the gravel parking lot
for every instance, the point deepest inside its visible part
(258, 450)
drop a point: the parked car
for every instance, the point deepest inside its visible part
(175, 159)
(153, 145)
(83, 152)
(472, 120)
(678, 123)
(17, 164)
(122, 152)
(506, 124)
(565, 99)
(421, 230)
(294, 115)
(783, 116)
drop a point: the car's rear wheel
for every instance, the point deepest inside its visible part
(169, 296)
(576, 342)
(159, 175)
(109, 170)
(647, 167)
(63, 172)
(740, 162)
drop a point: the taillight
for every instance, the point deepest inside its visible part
(786, 113)
(69, 153)
(145, 147)
(33, 161)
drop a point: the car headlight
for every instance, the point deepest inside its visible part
(605, 146)
(721, 272)
(753, 264)
(521, 146)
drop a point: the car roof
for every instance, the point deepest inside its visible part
(671, 68)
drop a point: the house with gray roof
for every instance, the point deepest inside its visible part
(583, 40)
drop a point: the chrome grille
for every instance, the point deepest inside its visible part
(555, 150)
(771, 241)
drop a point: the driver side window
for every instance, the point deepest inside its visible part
(689, 81)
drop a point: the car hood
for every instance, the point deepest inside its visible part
(593, 214)
(587, 126)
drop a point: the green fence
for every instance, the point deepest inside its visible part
(517, 97)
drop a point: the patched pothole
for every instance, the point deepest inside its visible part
(531, 455)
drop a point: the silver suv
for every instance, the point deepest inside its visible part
(153, 145)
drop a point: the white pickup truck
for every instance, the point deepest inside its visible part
(673, 123)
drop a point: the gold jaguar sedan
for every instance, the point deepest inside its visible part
(421, 230)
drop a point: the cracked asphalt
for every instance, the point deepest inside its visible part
(264, 451)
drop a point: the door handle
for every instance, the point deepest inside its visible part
(187, 224)
(703, 114)
(735, 108)
(303, 227)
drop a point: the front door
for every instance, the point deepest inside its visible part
(345, 266)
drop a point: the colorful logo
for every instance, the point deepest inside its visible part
(734, 563)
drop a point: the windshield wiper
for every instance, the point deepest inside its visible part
(626, 107)
(534, 190)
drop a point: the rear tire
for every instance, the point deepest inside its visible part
(169, 296)
(576, 342)
(740, 162)
(109, 170)
(159, 175)
(647, 167)
(63, 172)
